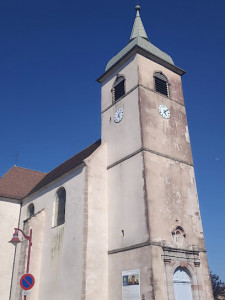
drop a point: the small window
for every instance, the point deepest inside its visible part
(59, 207)
(30, 210)
(161, 84)
(119, 88)
(178, 235)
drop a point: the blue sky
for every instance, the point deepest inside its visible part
(51, 53)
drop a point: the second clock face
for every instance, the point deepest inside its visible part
(164, 111)
(118, 115)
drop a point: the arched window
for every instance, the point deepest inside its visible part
(30, 210)
(118, 88)
(161, 84)
(59, 207)
(182, 284)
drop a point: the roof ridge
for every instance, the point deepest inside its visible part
(29, 169)
(99, 140)
(15, 166)
(65, 167)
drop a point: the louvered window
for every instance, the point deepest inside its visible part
(119, 88)
(161, 84)
(59, 207)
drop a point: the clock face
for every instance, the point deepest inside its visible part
(118, 115)
(164, 111)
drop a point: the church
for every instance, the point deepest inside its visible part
(119, 220)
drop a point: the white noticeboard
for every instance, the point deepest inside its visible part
(131, 285)
(25, 293)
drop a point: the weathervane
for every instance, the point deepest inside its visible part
(17, 156)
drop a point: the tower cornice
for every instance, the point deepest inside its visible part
(138, 48)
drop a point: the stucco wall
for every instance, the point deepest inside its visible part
(207, 292)
(122, 138)
(62, 253)
(129, 71)
(146, 70)
(166, 136)
(131, 260)
(9, 216)
(125, 137)
(36, 223)
(127, 209)
(172, 198)
(97, 230)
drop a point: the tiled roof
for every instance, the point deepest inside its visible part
(18, 182)
(68, 165)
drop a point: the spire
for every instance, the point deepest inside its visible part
(138, 28)
(139, 40)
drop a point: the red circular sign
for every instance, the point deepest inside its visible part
(27, 281)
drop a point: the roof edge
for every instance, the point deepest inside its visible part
(137, 49)
(18, 167)
(70, 164)
(10, 199)
(37, 188)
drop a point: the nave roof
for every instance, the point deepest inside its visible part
(19, 182)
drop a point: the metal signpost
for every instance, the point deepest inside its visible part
(27, 280)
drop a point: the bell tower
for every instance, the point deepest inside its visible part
(154, 224)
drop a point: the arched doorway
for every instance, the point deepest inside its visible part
(182, 285)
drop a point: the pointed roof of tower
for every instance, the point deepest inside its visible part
(139, 43)
(138, 28)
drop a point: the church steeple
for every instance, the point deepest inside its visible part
(139, 43)
(138, 28)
